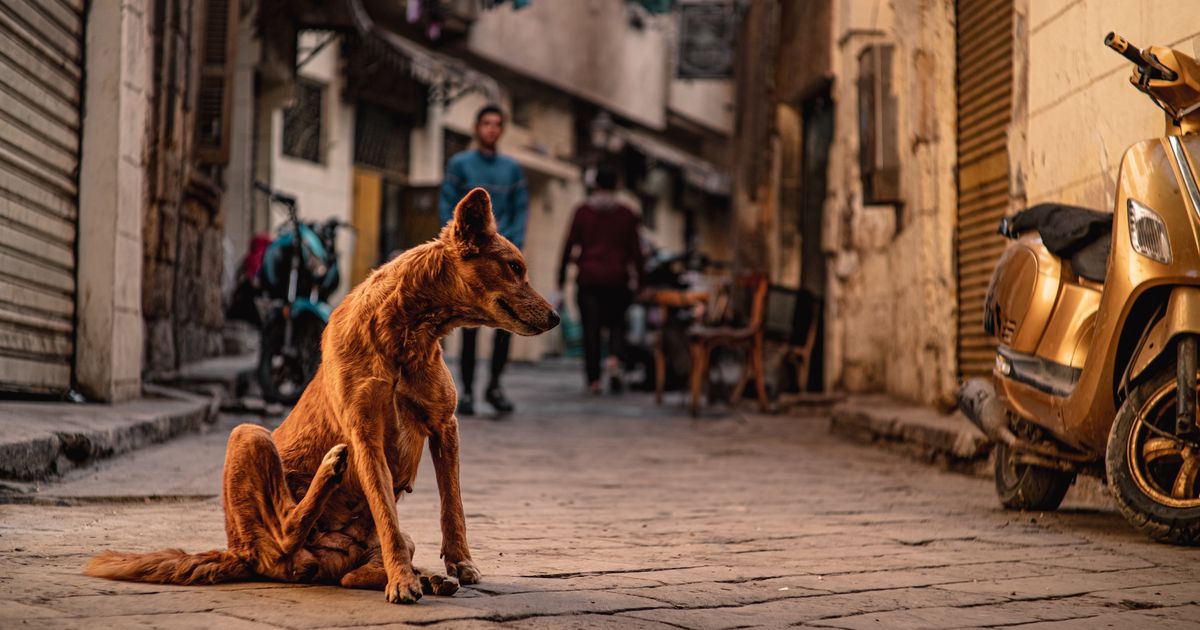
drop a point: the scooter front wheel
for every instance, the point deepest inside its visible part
(1024, 487)
(284, 372)
(1154, 474)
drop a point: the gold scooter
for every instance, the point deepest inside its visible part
(1096, 339)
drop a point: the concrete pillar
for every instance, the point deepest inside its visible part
(108, 350)
(427, 146)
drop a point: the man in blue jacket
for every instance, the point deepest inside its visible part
(500, 175)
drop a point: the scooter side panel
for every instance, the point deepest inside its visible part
(1022, 293)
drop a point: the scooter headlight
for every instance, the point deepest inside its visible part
(1148, 233)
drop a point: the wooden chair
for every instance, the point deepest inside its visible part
(703, 340)
(792, 320)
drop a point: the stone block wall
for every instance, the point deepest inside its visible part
(182, 257)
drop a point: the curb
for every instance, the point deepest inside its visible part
(43, 440)
(949, 441)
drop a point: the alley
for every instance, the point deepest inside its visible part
(608, 512)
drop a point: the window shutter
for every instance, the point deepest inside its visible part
(215, 97)
(879, 163)
(985, 102)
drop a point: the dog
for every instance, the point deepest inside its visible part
(315, 501)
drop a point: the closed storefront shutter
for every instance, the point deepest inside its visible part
(41, 80)
(985, 76)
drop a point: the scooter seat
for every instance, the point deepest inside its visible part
(1081, 235)
(1091, 260)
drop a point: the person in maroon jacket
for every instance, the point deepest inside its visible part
(605, 246)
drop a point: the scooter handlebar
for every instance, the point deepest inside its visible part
(1149, 65)
(1126, 50)
(285, 199)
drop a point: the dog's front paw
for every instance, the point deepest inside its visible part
(404, 589)
(464, 570)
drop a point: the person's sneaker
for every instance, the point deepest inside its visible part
(615, 384)
(466, 405)
(496, 398)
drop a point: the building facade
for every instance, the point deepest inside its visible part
(115, 137)
(378, 162)
(899, 134)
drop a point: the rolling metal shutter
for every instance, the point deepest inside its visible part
(985, 76)
(41, 83)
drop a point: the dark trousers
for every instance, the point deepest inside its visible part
(602, 308)
(467, 362)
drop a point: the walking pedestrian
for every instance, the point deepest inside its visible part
(484, 166)
(604, 244)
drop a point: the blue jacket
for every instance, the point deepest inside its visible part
(501, 176)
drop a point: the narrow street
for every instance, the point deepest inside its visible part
(608, 512)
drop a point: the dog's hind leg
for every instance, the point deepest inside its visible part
(265, 525)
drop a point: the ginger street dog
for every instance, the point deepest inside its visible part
(315, 501)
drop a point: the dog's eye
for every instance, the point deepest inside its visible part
(516, 267)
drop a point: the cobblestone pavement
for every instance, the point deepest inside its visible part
(611, 513)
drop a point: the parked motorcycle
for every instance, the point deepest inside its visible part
(299, 272)
(1097, 318)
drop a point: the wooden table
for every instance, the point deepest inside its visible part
(665, 300)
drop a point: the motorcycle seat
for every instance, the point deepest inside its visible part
(1080, 235)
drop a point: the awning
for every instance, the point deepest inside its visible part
(447, 77)
(544, 164)
(696, 171)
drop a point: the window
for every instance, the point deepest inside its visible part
(303, 121)
(381, 139)
(215, 94)
(877, 158)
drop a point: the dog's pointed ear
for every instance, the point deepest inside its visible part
(473, 224)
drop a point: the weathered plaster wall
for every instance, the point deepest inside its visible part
(891, 311)
(587, 48)
(753, 154)
(1083, 113)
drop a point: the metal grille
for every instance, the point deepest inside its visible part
(985, 75)
(380, 139)
(302, 122)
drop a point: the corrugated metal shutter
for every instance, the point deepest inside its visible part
(41, 82)
(985, 58)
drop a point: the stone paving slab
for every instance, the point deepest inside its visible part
(589, 512)
(947, 440)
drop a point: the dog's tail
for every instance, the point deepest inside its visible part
(169, 566)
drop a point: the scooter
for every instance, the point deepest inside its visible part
(1097, 318)
(299, 272)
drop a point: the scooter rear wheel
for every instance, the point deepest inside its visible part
(1025, 487)
(1155, 476)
